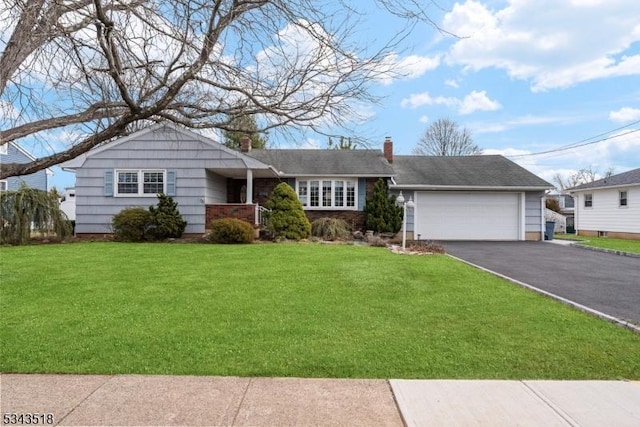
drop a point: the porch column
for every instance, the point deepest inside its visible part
(249, 187)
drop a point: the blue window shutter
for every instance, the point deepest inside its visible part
(362, 193)
(291, 182)
(171, 183)
(108, 183)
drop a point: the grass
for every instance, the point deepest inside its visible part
(304, 310)
(624, 245)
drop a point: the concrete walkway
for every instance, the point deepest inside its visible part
(231, 401)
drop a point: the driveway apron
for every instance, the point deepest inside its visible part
(604, 282)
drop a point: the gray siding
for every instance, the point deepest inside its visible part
(163, 150)
(216, 191)
(35, 180)
(533, 211)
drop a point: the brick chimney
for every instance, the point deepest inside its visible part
(245, 144)
(387, 148)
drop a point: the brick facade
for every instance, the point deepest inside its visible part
(240, 211)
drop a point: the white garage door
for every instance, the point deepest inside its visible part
(467, 216)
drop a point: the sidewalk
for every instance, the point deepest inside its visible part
(190, 400)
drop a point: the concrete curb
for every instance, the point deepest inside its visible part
(583, 308)
(608, 251)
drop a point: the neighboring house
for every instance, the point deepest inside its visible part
(559, 220)
(68, 203)
(567, 208)
(476, 197)
(609, 206)
(13, 153)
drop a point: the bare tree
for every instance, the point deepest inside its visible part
(582, 176)
(93, 70)
(445, 138)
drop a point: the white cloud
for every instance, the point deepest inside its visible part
(478, 101)
(416, 100)
(625, 115)
(424, 119)
(474, 101)
(527, 120)
(552, 44)
(408, 67)
(452, 83)
(414, 66)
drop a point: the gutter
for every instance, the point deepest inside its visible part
(466, 187)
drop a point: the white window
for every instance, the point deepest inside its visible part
(623, 199)
(588, 200)
(4, 185)
(3, 148)
(327, 193)
(140, 182)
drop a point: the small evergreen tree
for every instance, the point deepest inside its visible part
(166, 219)
(383, 216)
(245, 125)
(287, 218)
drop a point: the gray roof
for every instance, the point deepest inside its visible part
(626, 178)
(326, 162)
(464, 171)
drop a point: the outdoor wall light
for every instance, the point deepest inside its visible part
(400, 201)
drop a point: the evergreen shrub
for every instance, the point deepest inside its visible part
(286, 218)
(383, 216)
(166, 219)
(230, 230)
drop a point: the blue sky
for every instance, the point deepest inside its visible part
(524, 76)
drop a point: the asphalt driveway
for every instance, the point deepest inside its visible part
(601, 281)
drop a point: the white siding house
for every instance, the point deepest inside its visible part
(609, 207)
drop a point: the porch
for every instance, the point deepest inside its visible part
(252, 213)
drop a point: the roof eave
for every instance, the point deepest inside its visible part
(332, 175)
(604, 187)
(468, 187)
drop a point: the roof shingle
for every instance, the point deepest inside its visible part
(326, 162)
(464, 171)
(625, 178)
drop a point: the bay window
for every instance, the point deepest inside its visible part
(327, 193)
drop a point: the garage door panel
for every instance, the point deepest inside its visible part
(467, 216)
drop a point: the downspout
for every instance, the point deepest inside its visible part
(543, 206)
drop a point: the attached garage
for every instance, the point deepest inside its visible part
(458, 215)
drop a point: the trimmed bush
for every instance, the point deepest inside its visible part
(132, 225)
(330, 229)
(230, 230)
(166, 219)
(287, 218)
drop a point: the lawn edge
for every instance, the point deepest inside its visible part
(618, 322)
(605, 250)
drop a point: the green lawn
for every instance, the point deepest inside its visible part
(304, 310)
(625, 245)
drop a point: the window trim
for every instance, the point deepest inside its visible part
(6, 185)
(626, 199)
(140, 182)
(333, 181)
(590, 195)
(4, 148)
